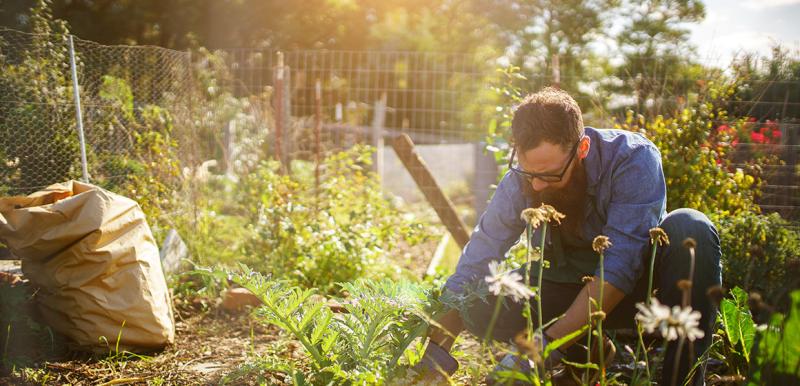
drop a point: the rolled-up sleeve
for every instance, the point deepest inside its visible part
(637, 201)
(498, 228)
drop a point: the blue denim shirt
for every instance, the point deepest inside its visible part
(626, 197)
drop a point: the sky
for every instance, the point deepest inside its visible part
(733, 26)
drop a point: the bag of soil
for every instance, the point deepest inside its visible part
(94, 259)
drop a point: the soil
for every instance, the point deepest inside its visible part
(209, 345)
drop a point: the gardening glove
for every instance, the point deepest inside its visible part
(436, 362)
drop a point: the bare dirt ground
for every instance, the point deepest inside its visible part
(209, 345)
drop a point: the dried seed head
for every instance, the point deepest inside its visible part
(552, 214)
(598, 316)
(658, 236)
(684, 285)
(587, 279)
(530, 347)
(534, 217)
(715, 293)
(542, 214)
(601, 243)
(689, 243)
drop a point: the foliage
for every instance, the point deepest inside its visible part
(321, 235)
(23, 341)
(363, 345)
(734, 339)
(696, 165)
(36, 88)
(657, 63)
(776, 358)
(760, 253)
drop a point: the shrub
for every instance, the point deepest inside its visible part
(319, 236)
(760, 253)
(696, 165)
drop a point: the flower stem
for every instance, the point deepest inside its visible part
(650, 279)
(601, 341)
(487, 339)
(539, 280)
(528, 316)
(677, 364)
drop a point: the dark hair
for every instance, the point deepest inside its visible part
(549, 115)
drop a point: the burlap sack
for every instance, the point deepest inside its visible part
(92, 254)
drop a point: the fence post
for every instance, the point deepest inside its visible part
(485, 177)
(317, 130)
(78, 116)
(378, 121)
(279, 111)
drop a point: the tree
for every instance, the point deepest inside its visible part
(536, 31)
(658, 63)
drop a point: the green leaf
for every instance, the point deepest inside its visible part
(738, 323)
(776, 360)
(554, 345)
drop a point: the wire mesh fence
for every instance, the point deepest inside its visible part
(125, 92)
(231, 111)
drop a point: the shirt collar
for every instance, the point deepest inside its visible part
(593, 161)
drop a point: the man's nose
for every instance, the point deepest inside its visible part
(539, 185)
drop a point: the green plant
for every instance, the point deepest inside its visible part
(776, 354)
(698, 173)
(760, 253)
(318, 236)
(363, 345)
(38, 147)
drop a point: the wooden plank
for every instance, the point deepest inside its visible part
(427, 184)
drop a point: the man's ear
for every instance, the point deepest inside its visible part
(584, 146)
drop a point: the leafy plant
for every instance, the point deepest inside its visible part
(697, 170)
(363, 345)
(318, 236)
(776, 357)
(737, 332)
(760, 253)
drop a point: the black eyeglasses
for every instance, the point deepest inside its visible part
(547, 177)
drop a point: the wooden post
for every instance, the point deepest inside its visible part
(427, 184)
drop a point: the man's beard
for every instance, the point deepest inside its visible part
(569, 200)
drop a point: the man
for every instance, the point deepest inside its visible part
(606, 182)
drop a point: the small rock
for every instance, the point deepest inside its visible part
(236, 299)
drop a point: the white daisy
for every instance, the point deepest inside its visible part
(507, 283)
(670, 323)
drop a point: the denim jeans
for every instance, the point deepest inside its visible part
(672, 264)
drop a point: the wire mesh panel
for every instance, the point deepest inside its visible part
(127, 94)
(433, 96)
(38, 141)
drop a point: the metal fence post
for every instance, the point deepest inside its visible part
(378, 122)
(78, 116)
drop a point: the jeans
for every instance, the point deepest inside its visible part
(672, 263)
